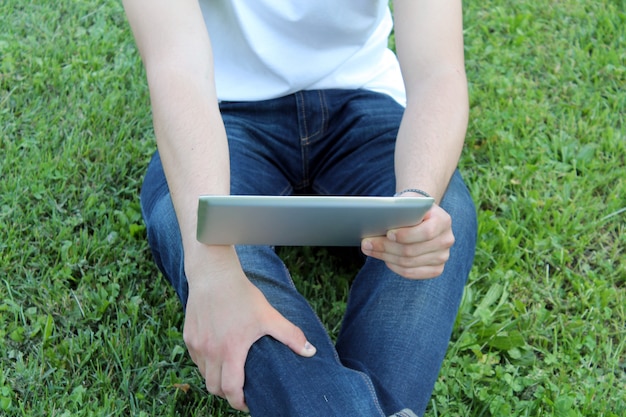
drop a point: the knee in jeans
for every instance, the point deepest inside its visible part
(166, 244)
(459, 204)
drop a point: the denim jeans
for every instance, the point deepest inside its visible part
(395, 331)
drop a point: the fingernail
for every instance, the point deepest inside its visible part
(309, 349)
(367, 245)
(391, 235)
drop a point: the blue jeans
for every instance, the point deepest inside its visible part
(395, 331)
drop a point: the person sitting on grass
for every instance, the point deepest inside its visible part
(270, 97)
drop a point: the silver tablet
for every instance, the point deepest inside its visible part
(303, 220)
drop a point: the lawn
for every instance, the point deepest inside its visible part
(89, 328)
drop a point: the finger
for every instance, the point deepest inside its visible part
(420, 261)
(213, 379)
(374, 245)
(417, 273)
(409, 243)
(433, 258)
(438, 223)
(387, 250)
(209, 371)
(233, 378)
(289, 334)
(199, 364)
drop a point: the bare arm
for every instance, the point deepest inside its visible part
(225, 313)
(176, 51)
(429, 43)
(429, 40)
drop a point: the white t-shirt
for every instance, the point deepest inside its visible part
(265, 49)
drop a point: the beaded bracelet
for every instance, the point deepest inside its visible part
(413, 190)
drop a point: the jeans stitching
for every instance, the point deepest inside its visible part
(323, 111)
(372, 390)
(292, 284)
(302, 132)
(405, 413)
(362, 375)
(305, 101)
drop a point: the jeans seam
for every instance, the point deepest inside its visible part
(304, 132)
(287, 190)
(404, 413)
(362, 375)
(372, 390)
(293, 285)
(303, 137)
(323, 111)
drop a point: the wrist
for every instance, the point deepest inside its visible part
(208, 261)
(413, 192)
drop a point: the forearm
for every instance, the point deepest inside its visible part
(432, 134)
(191, 140)
(194, 152)
(176, 50)
(429, 41)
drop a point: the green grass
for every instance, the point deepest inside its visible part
(88, 327)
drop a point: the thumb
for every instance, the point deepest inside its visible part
(290, 335)
(430, 213)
